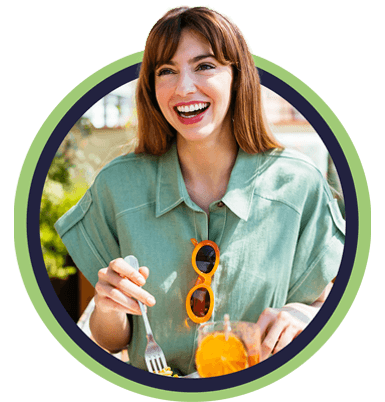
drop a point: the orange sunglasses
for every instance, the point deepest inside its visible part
(200, 299)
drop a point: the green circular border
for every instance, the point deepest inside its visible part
(22, 252)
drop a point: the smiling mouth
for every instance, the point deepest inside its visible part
(192, 110)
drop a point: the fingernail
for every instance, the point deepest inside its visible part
(150, 300)
(141, 280)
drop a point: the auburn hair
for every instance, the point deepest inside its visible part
(155, 134)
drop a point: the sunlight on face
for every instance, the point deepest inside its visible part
(193, 90)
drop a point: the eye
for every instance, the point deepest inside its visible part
(205, 66)
(164, 71)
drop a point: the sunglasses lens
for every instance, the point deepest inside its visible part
(205, 259)
(200, 302)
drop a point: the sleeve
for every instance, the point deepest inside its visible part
(88, 231)
(319, 248)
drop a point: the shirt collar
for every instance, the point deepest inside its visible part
(171, 189)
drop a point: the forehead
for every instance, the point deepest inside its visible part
(188, 44)
(191, 44)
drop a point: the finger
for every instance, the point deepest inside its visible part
(272, 337)
(132, 290)
(104, 291)
(145, 272)
(122, 268)
(108, 297)
(265, 320)
(121, 275)
(286, 337)
(132, 306)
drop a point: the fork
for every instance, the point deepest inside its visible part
(153, 355)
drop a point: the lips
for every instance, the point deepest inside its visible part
(192, 112)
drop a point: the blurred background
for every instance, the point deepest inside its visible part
(108, 130)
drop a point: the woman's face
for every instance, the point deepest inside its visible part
(193, 90)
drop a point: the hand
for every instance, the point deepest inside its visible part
(119, 286)
(279, 326)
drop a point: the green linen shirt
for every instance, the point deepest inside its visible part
(279, 231)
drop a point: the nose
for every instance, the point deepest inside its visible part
(185, 84)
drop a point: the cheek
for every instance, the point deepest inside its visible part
(161, 97)
(221, 90)
(224, 102)
(229, 87)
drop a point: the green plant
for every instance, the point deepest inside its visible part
(60, 193)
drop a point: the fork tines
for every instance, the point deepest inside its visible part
(157, 364)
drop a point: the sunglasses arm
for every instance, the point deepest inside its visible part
(194, 242)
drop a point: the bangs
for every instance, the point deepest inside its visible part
(165, 47)
(164, 39)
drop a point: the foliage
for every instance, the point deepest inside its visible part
(59, 195)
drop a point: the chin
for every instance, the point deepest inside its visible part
(193, 136)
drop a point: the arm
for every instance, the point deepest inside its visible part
(111, 330)
(116, 292)
(279, 326)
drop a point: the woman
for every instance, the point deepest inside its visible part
(206, 167)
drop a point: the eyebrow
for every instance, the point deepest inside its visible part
(193, 60)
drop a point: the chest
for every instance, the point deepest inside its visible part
(255, 261)
(203, 194)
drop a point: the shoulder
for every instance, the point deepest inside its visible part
(289, 161)
(290, 177)
(288, 165)
(127, 181)
(125, 164)
(123, 184)
(127, 170)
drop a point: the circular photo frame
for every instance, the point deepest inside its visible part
(63, 327)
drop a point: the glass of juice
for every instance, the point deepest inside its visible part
(227, 346)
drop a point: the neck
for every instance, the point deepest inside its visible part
(206, 166)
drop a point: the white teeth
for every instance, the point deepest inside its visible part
(192, 107)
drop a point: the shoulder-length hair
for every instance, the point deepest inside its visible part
(155, 134)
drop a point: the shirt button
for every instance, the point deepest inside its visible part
(220, 204)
